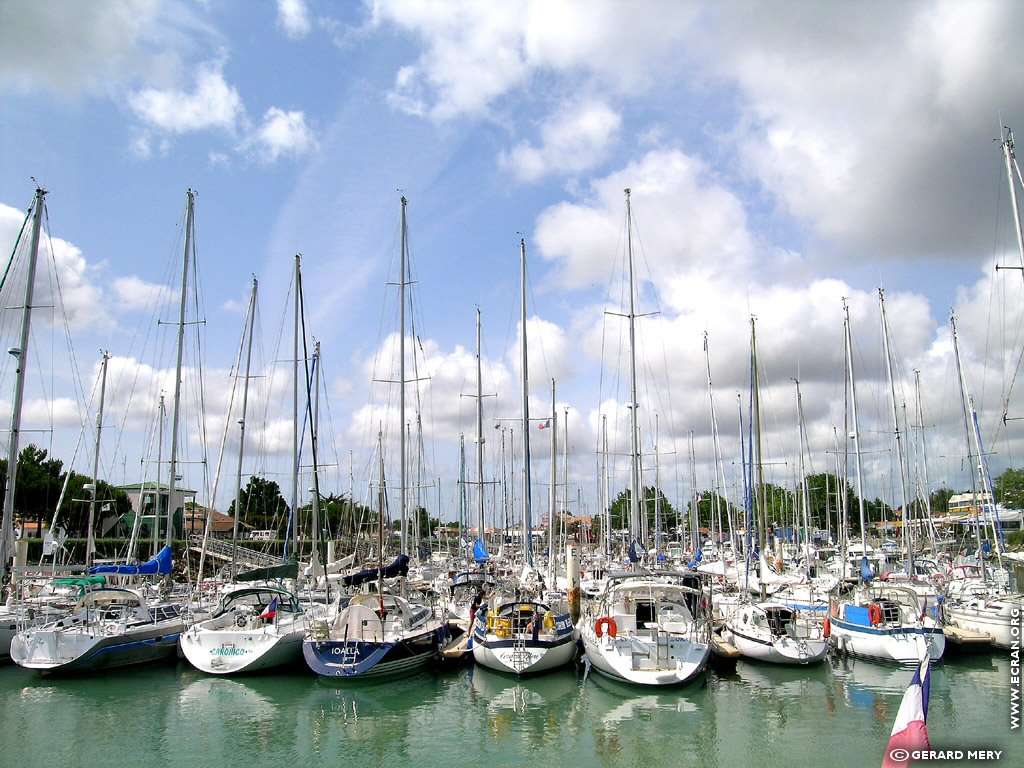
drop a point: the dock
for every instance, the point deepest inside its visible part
(962, 640)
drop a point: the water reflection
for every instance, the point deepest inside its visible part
(536, 711)
(772, 717)
(643, 726)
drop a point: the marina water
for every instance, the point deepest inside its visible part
(836, 714)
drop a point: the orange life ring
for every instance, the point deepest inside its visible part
(606, 624)
(827, 630)
(875, 614)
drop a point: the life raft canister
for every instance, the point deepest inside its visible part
(606, 625)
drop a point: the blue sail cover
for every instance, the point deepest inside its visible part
(158, 566)
(480, 552)
(634, 556)
(400, 567)
(866, 574)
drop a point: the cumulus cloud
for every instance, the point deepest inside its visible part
(71, 48)
(293, 18)
(133, 293)
(281, 134)
(211, 103)
(862, 124)
(576, 139)
(474, 54)
(686, 222)
(65, 291)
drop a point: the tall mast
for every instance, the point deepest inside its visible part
(563, 521)
(314, 383)
(403, 480)
(974, 433)
(527, 498)
(634, 430)
(462, 484)
(21, 356)
(479, 437)
(805, 501)
(553, 497)
(756, 458)
(923, 483)
(295, 405)
(250, 318)
(855, 436)
(90, 546)
(176, 402)
(1011, 165)
(722, 490)
(605, 486)
(157, 515)
(908, 528)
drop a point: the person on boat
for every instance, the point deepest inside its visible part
(533, 625)
(478, 599)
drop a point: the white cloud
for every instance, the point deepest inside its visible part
(212, 103)
(281, 134)
(133, 293)
(476, 53)
(861, 122)
(574, 140)
(64, 288)
(293, 18)
(686, 223)
(71, 48)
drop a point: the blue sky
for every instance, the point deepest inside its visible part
(782, 156)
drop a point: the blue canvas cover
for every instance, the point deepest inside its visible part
(480, 552)
(400, 567)
(158, 566)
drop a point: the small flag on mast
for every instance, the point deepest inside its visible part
(544, 424)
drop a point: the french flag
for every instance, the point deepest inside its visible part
(270, 611)
(544, 424)
(909, 732)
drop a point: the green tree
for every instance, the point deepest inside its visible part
(620, 509)
(40, 480)
(1009, 488)
(710, 504)
(262, 506)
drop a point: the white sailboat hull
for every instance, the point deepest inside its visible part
(663, 660)
(998, 618)
(234, 651)
(522, 656)
(780, 650)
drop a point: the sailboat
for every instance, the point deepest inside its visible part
(525, 629)
(258, 624)
(380, 632)
(108, 627)
(645, 627)
(115, 627)
(28, 603)
(882, 621)
(770, 630)
(980, 602)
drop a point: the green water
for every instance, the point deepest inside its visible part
(839, 714)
